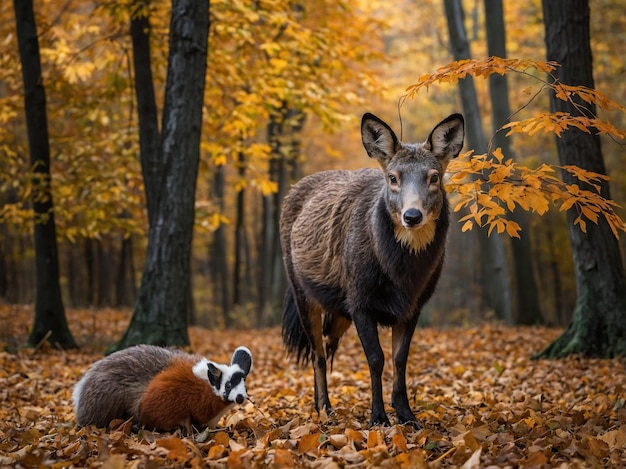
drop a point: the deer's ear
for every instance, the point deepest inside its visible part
(379, 140)
(446, 139)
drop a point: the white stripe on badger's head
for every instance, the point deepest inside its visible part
(228, 381)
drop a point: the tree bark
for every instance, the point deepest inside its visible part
(526, 295)
(241, 271)
(597, 327)
(161, 312)
(149, 136)
(125, 289)
(495, 277)
(219, 263)
(4, 282)
(50, 323)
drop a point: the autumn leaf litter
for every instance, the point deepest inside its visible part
(480, 398)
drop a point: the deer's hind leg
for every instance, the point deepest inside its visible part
(335, 326)
(315, 314)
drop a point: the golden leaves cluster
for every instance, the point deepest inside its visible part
(263, 55)
(488, 188)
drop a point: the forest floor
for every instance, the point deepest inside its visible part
(480, 398)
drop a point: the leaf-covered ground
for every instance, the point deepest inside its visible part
(480, 398)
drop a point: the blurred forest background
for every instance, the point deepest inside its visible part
(286, 87)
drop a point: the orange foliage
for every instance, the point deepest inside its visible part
(486, 184)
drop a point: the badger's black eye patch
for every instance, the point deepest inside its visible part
(236, 378)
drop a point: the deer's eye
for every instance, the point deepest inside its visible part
(392, 178)
(434, 179)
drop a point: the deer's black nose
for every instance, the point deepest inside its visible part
(412, 217)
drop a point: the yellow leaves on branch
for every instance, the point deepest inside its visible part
(557, 122)
(485, 186)
(590, 96)
(554, 122)
(455, 71)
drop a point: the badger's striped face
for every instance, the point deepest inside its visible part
(228, 381)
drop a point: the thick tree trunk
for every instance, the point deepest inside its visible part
(526, 295)
(161, 312)
(495, 276)
(597, 327)
(50, 322)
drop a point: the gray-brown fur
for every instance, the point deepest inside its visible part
(112, 388)
(367, 247)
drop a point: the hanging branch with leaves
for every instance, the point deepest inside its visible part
(488, 185)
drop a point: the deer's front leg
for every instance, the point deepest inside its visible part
(401, 335)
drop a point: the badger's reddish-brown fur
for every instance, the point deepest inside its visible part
(164, 407)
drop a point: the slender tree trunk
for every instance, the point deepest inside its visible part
(149, 136)
(526, 296)
(4, 283)
(283, 134)
(240, 241)
(105, 272)
(125, 289)
(90, 266)
(75, 290)
(597, 327)
(265, 257)
(553, 271)
(50, 322)
(161, 312)
(495, 276)
(219, 264)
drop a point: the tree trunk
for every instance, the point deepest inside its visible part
(283, 134)
(4, 282)
(597, 327)
(555, 274)
(495, 276)
(50, 322)
(219, 264)
(526, 296)
(90, 267)
(239, 268)
(125, 290)
(105, 272)
(161, 312)
(149, 136)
